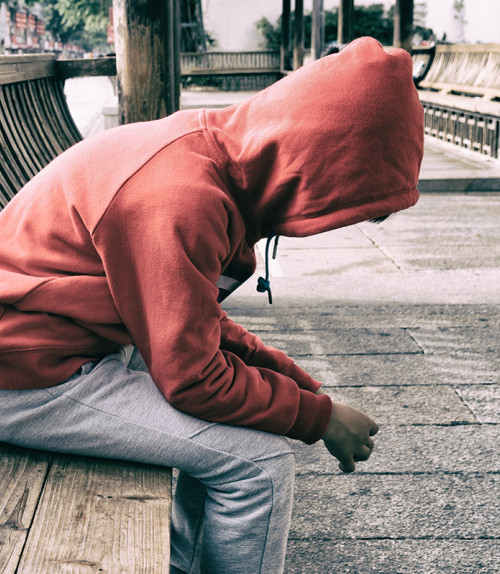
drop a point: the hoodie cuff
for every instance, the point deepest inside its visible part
(312, 418)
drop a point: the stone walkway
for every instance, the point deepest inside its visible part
(401, 320)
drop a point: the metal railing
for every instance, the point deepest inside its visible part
(471, 130)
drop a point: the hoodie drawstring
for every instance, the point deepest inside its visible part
(264, 285)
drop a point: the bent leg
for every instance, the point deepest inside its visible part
(113, 409)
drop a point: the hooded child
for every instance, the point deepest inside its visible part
(114, 261)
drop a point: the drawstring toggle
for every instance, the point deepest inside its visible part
(264, 285)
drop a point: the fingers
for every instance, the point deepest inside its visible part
(364, 453)
(347, 465)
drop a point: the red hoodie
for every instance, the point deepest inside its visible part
(127, 236)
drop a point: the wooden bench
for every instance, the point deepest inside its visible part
(35, 122)
(67, 513)
(461, 96)
(76, 514)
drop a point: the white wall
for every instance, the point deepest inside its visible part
(482, 20)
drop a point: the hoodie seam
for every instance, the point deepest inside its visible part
(347, 205)
(209, 137)
(133, 174)
(215, 145)
(32, 290)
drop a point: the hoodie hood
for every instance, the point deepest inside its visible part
(334, 143)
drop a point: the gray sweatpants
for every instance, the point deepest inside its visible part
(233, 500)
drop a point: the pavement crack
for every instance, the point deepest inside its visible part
(375, 244)
(414, 339)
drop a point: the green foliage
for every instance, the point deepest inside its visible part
(91, 15)
(331, 26)
(81, 22)
(271, 35)
(371, 20)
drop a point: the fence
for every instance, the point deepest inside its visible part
(230, 71)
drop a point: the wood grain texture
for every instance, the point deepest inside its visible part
(24, 68)
(22, 475)
(101, 516)
(147, 58)
(82, 67)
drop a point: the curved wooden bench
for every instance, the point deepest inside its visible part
(35, 122)
(423, 58)
(461, 96)
(67, 513)
(466, 70)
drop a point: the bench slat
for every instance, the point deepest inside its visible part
(57, 110)
(22, 475)
(34, 131)
(10, 178)
(35, 127)
(27, 163)
(43, 124)
(25, 68)
(101, 515)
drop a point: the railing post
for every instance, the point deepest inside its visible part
(286, 36)
(298, 35)
(147, 58)
(346, 22)
(403, 24)
(318, 29)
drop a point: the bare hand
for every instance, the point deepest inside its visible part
(348, 436)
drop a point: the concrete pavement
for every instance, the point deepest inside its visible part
(401, 320)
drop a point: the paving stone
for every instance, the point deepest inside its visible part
(483, 401)
(397, 506)
(338, 261)
(347, 237)
(294, 314)
(402, 370)
(440, 221)
(412, 449)
(342, 342)
(393, 557)
(406, 405)
(458, 339)
(444, 257)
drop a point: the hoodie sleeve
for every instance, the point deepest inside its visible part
(254, 353)
(163, 243)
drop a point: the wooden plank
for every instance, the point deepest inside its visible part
(248, 72)
(83, 67)
(22, 474)
(101, 516)
(22, 68)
